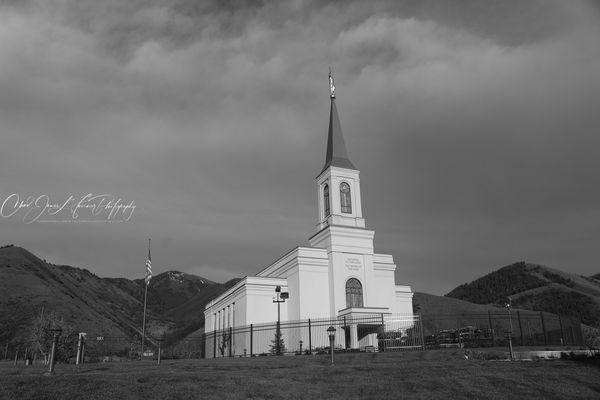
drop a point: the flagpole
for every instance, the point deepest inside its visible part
(146, 281)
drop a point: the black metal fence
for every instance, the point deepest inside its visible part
(370, 333)
(365, 333)
(529, 328)
(395, 333)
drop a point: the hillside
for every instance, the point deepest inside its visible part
(538, 288)
(30, 286)
(441, 312)
(431, 305)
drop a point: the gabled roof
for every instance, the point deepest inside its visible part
(336, 147)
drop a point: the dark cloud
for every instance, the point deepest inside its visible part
(473, 124)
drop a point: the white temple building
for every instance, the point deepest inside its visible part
(339, 275)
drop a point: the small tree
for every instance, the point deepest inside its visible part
(273, 346)
(42, 336)
(223, 342)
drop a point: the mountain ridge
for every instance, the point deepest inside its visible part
(538, 288)
(176, 300)
(101, 306)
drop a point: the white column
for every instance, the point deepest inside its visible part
(373, 340)
(354, 336)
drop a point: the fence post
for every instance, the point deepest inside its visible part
(492, 329)
(544, 328)
(214, 344)
(78, 357)
(53, 353)
(346, 344)
(562, 334)
(520, 328)
(159, 350)
(16, 355)
(309, 338)
(230, 341)
(251, 340)
(421, 329)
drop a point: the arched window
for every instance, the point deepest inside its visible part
(345, 199)
(354, 293)
(326, 199)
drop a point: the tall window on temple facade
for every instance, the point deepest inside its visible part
(354, 293)
(345, 200)
(326, 199)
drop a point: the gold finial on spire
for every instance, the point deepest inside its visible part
(331, 85)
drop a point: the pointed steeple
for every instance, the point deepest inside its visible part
(336, 147)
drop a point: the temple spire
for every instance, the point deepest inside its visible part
(336, 147)
(331, 85)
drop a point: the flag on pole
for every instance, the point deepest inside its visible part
(148, 266)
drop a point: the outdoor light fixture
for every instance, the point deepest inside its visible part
(331, 333)
(281, 297)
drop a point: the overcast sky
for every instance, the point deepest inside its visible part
(475, 126)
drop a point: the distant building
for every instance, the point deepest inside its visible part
(338, 276)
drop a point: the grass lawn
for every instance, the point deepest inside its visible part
(443, 374)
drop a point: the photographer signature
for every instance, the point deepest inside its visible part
(88, 208)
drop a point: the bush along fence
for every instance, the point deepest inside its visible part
(366, 333)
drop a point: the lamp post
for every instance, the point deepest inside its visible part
(331, 333)
(281, 297)
(509, 333)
